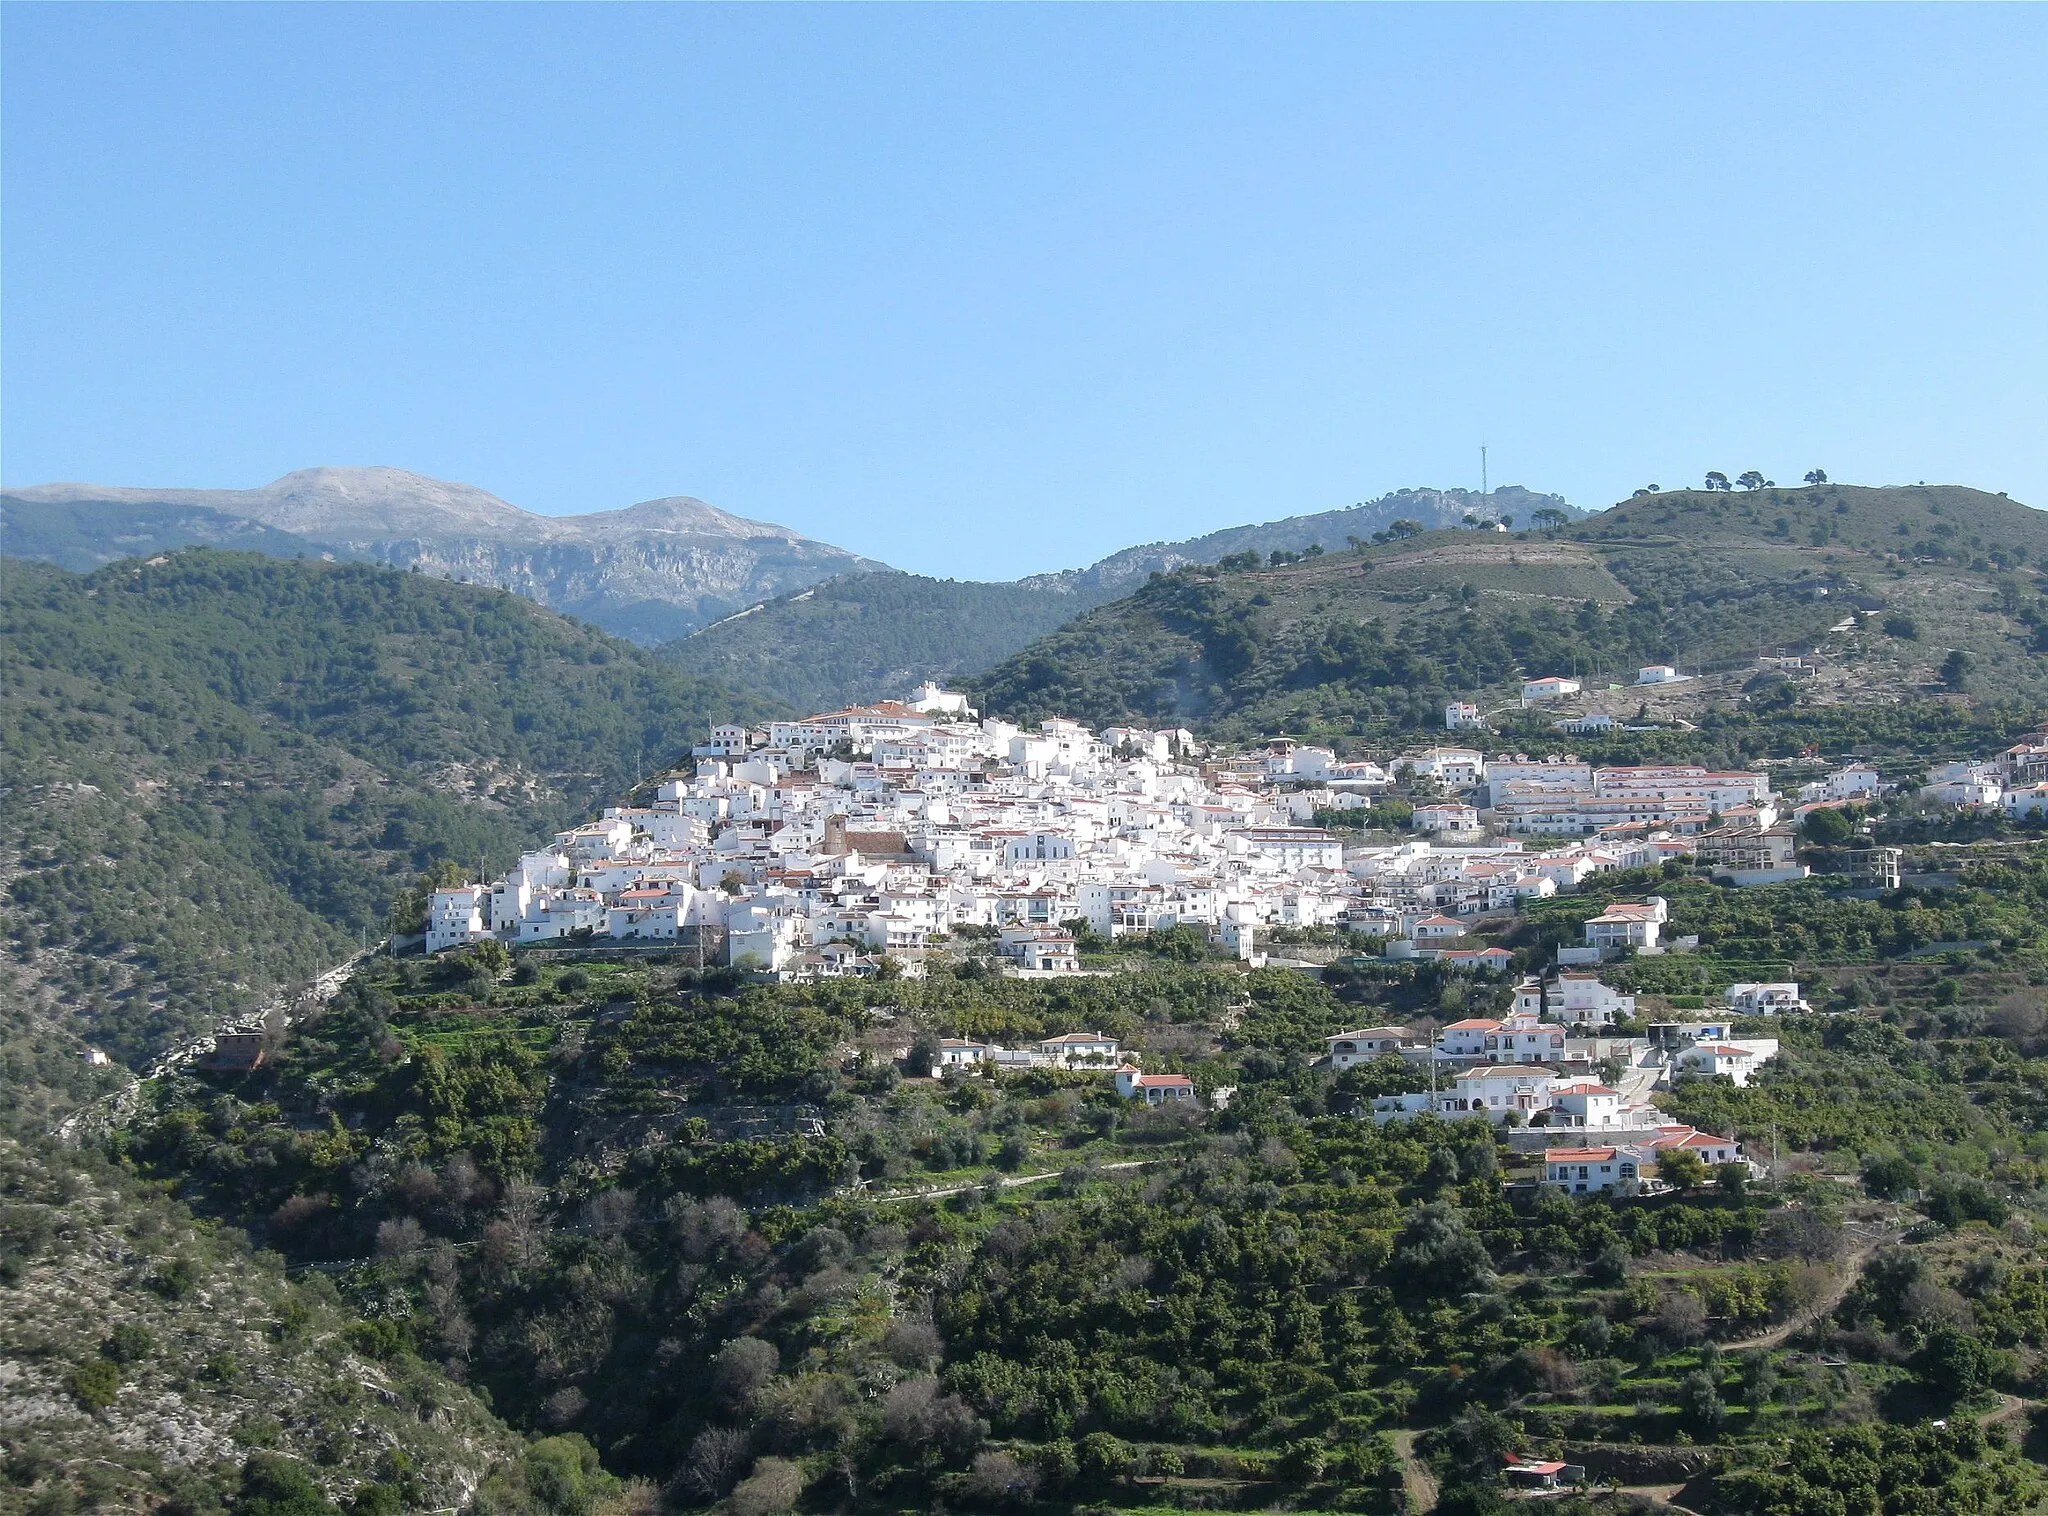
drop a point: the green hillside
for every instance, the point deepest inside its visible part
(871, 636)
(1428, 509)
(160, 1362)
(222, 767)
(596, 1191)
(1376, 639)
(874, 636)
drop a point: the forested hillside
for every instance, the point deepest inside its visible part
(712, 1227)
(222, 768)
(1888, 586)
(874, 636)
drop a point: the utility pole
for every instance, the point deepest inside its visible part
(1484, 488)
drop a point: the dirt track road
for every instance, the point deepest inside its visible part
(1416, 1478)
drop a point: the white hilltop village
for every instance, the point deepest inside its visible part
(850, 842)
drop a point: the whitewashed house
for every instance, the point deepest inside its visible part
(2024, 801)
(1456, 768)
(1583, 1000)
(1631, 1168)
(1291, 848)
(1373, 1042)
(1467, 1038)
(1736, 1059)
(1627, 924)
(1041, 949)
(1594, 1170)
(1584, 1103)
(1522, 1039)
(1437, 928)
(1445, 816)
(1964, 783)
(457, 917)
(1496, 1091)
(1079, 1048)
(1764, 999)
(962, 1053)
(1154, 1089)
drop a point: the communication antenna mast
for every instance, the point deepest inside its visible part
(1483, 487)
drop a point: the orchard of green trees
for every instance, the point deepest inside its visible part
(684, 1218)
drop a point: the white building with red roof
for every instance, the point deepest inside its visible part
(1631, 1168)
(1523, 1038)
(1583, 1000)
(1585, 1103)
(1497, 960)
(1154, 1089)
(1446, 816)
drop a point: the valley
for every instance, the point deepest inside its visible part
(1088, 1103)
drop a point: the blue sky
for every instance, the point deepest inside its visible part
(983, 291)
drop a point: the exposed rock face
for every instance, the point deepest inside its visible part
(653, 571)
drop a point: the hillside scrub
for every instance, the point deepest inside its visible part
(672, 1268)
(223, 768)
(151, 1356)
(1367, 644)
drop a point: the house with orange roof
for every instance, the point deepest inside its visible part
(1154, 1089)
(1497, 960)
(1552, 687)
(1522, 1473)
(1584, 1103)
(1631, 1168)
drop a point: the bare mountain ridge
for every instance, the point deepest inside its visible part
(659, 570)
(391, 502)
(652, 571)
